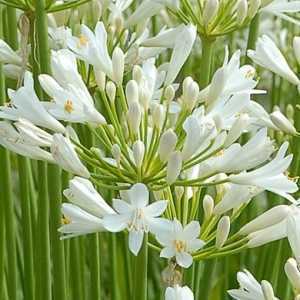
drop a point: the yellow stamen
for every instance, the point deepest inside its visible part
(83, 41)
(180, 246)
(69, 106)
(65, 220)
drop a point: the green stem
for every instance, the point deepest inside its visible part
(206, 61)
(252, 37)
(23, 166)
(140, 272)
(6, 191)
(59, 284)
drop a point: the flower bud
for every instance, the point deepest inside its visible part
(134, 117)
(111, 91)
(269, 218)
(132, 92)
(174, 167)
(240, 124)
(223, 230)
(167, 144)
(169, 93)
(116, 153)
(118, 65)
(296, 46)
(137, 74)
(293, 274)
(241, 11)
(158, 115)
(280, 121)
(100, 79)
(190, 93)
(210, 11)
(208, 206)
(138, 150)
(290, 112)
(144, 97)
(267, 290)
(254, 6)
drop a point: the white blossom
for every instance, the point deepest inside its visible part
(179, 293)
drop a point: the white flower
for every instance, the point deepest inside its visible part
(235, 196)
(85, 213)
(181, 39)
(269, 56)
(180, 242)
(136, 215)
(271, 176)
(25, 142)
(92, 48)
(71, 100)
(63, 152)
(77, 222)
(179, 293)
(250, 289)
(9, 56)
(59, 37)
(25, 104)
(283, 9)
(293, 227)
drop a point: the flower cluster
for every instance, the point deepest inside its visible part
(170, 151)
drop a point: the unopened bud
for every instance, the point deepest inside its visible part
(134, 116)
(158, 115)
(138, 150)
(269, 218)
(190, 93)
(137, 73)
(290, 112)
(118, 65)
(208, 206)
(116, 153)
(111, 91)
(167, 144)
(223, 230)
(169, 93)
(210, 11)
(267, 290)
(241, 11)
(238, 127)
(144, 97)
(100, 79)
(132, 92)
(174, 167)
(281, 121)
(293, 274)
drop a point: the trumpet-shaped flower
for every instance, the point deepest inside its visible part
(85, 213)
(180, 242)
(25, 141)
(64, 154)
(92, 48)
(71, 100)
(269, 56)
(137, 216)
(250, 289)
(282, 9)
(179, 293)
(271, 176)
(9, 56)
(25, 104)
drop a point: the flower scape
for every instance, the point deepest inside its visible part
(149, 149)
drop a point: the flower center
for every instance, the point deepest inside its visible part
(69, 106)
(180, 246)
(65, 220)
(83, 41)
(138, 221)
